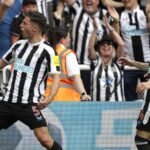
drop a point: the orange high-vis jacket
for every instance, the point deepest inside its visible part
(66, 90)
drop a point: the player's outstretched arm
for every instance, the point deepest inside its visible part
(55, 86)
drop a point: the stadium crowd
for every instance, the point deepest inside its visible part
(106, 35)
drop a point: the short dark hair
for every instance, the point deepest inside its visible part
(57, 33)
(26, 2)
(38, 18)
(105, 39)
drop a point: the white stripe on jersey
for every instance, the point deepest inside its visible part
(98, 82)
(32, 64)
(43, 8)
(82, 29)
(135, 27)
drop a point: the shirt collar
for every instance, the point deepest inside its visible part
(134, 11)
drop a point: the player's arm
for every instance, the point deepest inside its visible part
(54, 87)
(5, 4)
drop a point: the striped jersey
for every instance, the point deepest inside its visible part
(135, 34)
(43, 8)
(106, 81)
(82, 30)
(143, 122)
(32, 64)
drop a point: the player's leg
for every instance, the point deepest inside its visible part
(141, 143)
(32, 116)
(45, 139)
(6, 115)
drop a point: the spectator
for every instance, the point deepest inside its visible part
(5, 27)
(134, 31)
(106, 78)
(4, 5)
(43, 7)
(142, 137)
(33, 61)
(71, 86)
(83, 27)
(27, 6)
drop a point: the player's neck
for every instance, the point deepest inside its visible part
(35, 39)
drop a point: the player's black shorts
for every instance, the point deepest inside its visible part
(27, 114)
(143, 122)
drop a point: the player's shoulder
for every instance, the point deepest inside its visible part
(47, 47)
(23, 41)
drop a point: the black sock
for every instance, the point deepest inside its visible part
(142, 144)
(56, 146)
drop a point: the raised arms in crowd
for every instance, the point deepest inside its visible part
(4, 5)
(113, 34)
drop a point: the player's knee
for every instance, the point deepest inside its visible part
(142, 144)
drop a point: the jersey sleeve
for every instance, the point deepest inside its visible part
(53, 62)
(8, 57)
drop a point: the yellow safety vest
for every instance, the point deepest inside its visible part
(66, 90)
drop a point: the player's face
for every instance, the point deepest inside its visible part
(29, 7)
(129, 4)
(91, 6)
(106, 52)
(27, 28)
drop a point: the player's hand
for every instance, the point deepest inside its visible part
(43, 103)
(141, 87)
(8, 3)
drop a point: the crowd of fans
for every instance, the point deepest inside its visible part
(105, 34)
(101, 32)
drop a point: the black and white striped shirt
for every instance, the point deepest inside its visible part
(106, 81)
(143, 122)
(82, 30)
(135, 34)
(32, 64)
(43, 8)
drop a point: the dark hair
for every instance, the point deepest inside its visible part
(26, 2)
(56, 34)
(104, 39)
(37, 18)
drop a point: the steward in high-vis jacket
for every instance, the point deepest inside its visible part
(71, 86)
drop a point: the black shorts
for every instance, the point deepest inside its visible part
(143, 122)
(27, 114)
